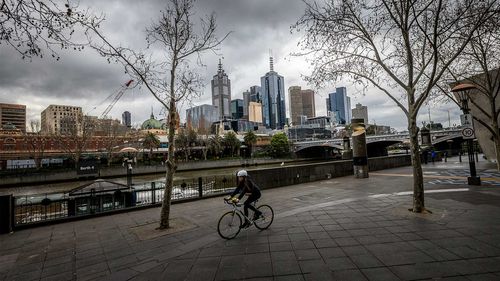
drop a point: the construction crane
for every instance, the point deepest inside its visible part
(116, 98)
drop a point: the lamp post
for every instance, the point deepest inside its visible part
(462, 92)
(449, 152)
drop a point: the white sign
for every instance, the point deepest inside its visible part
(468, 130)
(468, 133)
(466, 120)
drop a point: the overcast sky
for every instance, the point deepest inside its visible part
(86, 79)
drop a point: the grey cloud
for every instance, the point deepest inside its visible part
(85, 79)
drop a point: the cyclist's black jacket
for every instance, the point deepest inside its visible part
(247, 186)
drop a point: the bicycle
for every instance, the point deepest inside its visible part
(230, 222)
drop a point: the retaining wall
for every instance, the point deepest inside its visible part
(296, 174)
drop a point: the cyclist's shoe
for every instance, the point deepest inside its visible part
(246, 224)
(257, 215)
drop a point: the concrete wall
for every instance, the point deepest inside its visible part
(289, 175)
(109, 172)
(266, 177)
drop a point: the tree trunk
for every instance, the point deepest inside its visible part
(205, 152)
(38, 162)
(171, 161)
(496, 140)
(497, 150)
(171, 167)
(418, 179)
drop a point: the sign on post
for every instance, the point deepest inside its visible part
(468, 130)
(466, 120)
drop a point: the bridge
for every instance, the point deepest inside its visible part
(377, 144)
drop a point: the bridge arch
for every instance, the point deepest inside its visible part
(379, 147)
(325, 150)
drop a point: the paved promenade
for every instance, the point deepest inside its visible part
(337, 229)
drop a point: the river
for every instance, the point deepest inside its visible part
(136, 180)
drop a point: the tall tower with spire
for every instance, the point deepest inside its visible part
(221, 93)
(273, 98)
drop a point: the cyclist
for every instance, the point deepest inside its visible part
(246, 186)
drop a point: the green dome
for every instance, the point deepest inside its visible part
(151, 123)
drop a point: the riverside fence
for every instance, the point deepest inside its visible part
(104, 197)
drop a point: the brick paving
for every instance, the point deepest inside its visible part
(337, 229)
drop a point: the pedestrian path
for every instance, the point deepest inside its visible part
(337, 229)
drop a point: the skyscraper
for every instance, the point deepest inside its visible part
(127, 119)
(255, 112)
(221, 93)
(202, 116)
(14, 114)
(360, 111)
(255, 94)
(301, 104)
(273, 99)
(246, 103)
(237, 108)
(340, 104)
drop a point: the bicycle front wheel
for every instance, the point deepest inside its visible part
(229, 225)
(266, 219)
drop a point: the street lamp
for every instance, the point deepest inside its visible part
(462, 92)
(448, 153)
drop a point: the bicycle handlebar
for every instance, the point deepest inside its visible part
(229, 202)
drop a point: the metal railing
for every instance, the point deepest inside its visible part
(35, 209)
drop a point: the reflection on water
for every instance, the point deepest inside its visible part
(137, 180)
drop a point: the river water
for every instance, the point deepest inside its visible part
(136, 180)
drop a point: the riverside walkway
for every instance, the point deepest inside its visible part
(336, 229)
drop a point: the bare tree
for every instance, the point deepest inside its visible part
(33, 27)
(401, 48)
(36, 142)
(113, 134)
(74, 135)
(488, 85)
(182, 143)
(480, 66)
(203, 142)
(180, 39)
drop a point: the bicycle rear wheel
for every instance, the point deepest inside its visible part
(266, 219)
(229, 225)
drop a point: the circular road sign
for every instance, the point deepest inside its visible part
(468, 133)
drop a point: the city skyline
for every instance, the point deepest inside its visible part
(85, 79)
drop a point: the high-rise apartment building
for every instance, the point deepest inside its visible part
(360, 111)
(127, 119)
(246, 103)
(273, 99)
(301, 104)
(237, 108)
(13, 114)
(340, 104)
(221, 93)
(202, 116)
(62, 119)
(255, 94)
(255, 112)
